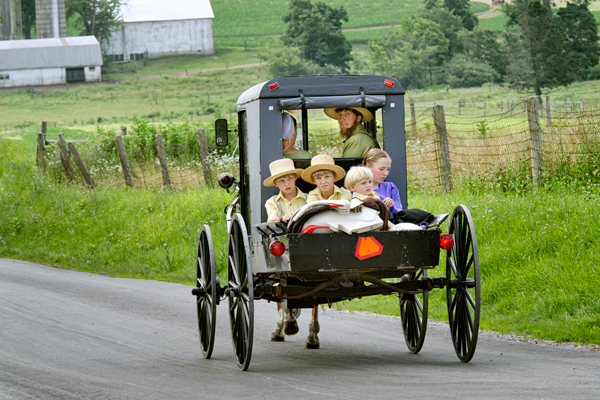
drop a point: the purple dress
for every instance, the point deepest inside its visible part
(388, 189)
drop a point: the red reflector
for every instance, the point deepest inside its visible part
(335, 205)
(277, 248)
(446, 241)
(388, 83)
(368, 247)
(273, 86)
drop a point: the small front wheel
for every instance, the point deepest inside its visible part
(207, 293)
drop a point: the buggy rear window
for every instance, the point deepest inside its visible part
(295, 103)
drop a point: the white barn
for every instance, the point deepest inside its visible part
(54, 61)
(157, 28)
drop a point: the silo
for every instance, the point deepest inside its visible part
(50, 18)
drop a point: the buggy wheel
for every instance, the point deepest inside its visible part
(240, 289)
(413, 311)
(207, 294)
(464, 289)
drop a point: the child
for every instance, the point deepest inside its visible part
(379, 162)
(283, 175)
(359, 180)
(324, 173)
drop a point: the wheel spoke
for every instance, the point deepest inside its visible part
(471, 301)
(234, 304)
(201, 267)
(234, 271)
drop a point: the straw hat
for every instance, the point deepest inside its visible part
(279, 168)
(366, 114)
(323, 161)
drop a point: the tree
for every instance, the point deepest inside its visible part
(28, 7)
(540, 55)
(463, 71)
(461, 9)
(483, 45)
(100, 17)
(450, 25)
(317, 31)
(287, 61)
(579, 25)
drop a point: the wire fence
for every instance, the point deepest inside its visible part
(442, 149)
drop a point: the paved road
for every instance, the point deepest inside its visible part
(74, 335)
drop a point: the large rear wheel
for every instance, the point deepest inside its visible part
(464, 289)
(413, 311)
(240, 290)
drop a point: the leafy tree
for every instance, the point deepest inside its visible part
(100, 17)
(579, 25)
(461, 9)
(287, 61)
(450, 25)
(463, 71)
(28, 15)
(483, 45)
(540, 55)
(317, 31)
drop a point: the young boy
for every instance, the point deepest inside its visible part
(359, 181)
(324, 173)
(283, 205)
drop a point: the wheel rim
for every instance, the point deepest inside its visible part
(464, 291)
(413, 311)
(241, 292)
(206, 304)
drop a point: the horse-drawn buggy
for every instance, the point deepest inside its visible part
(328, 251)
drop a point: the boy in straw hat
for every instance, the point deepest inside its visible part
(283, 175)
(324, 173)
(357, 140)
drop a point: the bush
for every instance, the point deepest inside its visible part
(464, 72)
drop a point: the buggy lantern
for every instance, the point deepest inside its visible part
(226, 180)
(277, 248)
(446, 241)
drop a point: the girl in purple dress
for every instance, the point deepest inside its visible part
(380, 162)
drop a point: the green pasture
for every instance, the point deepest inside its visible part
(538, 250)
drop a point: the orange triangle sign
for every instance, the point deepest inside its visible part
(368, 247)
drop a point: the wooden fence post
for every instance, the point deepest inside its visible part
(124, 131)
(548, 111)
(43, 129)
(162, 156)
(203, 148)
(443, 152)
(41, 152)
(413, 118)
(535, 134)
(80, 164)
(65, 156)
(124, 162)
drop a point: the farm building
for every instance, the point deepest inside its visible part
(157, 28)
(49, 61)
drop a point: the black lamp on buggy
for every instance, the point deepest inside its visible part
(311, 264)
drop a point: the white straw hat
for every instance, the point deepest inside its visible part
(366, 114)
(279, 168)
(322, 161)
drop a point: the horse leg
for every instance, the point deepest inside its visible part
(277, 335)
(290, 323)
(312, 341)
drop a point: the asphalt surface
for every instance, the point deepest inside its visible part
(74, 335)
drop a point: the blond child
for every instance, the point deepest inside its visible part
(359, 180)
(324, 173)
(282, 206)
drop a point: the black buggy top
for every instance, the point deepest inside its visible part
(260, 126)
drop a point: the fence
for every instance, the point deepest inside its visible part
(442, 149)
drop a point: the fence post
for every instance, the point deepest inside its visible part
(203, 148)
(443, 152)
(413, 118)
(41, 152)
(124, 131)
(548, 111)
(65, 156)
(162, 156)
(124, 162)
(535, 134)
(512, 105)
(80, 164)
(43, 129)
(484, 108)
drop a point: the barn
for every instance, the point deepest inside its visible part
(158, 28)
(51, 61)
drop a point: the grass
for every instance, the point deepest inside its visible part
(538, 250)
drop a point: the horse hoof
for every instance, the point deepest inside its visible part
(312, 345)
(277, 336)
(291, 327)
